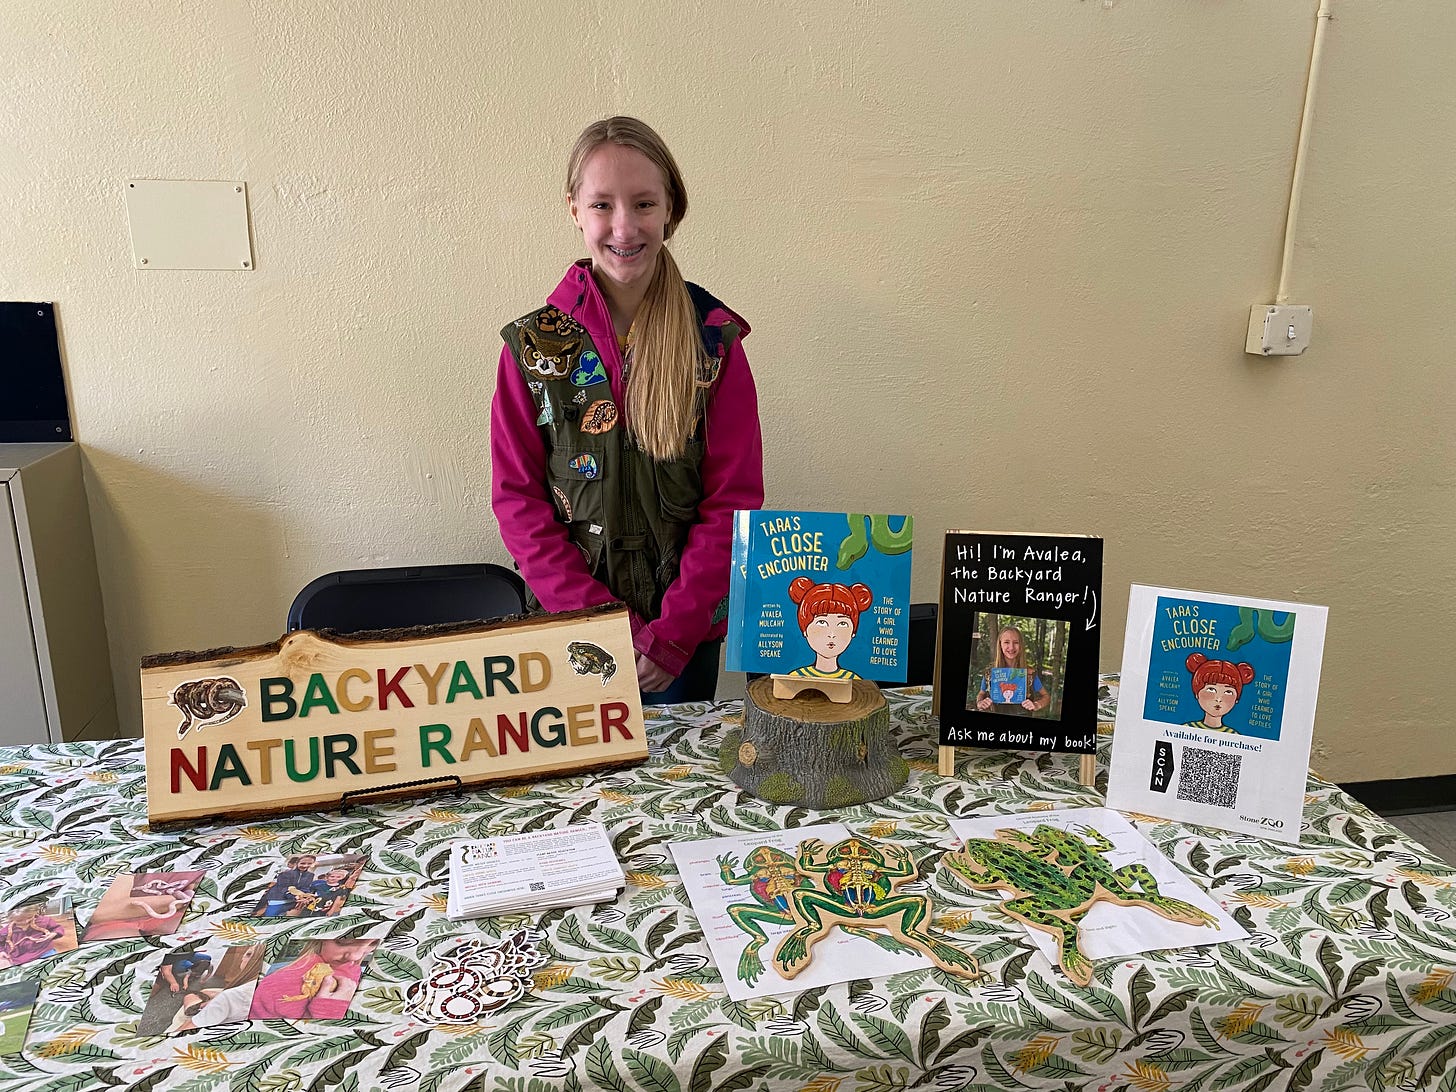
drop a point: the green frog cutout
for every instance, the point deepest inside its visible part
(851, 884)
(1055, 877)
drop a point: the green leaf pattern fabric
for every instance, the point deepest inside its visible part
(1347, 982)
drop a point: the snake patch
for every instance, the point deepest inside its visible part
(553, 320)
(562, 503)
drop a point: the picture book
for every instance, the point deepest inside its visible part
(1216, 710)
(1020, 628)
(820, 595)
(1116, 895)
(1008, 685)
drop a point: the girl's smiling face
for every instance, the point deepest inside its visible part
(828, 634)
(622, 209)
(1011, 645)
(1217, 699)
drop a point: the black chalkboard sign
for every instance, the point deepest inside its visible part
(1020, 623)
(33, 406)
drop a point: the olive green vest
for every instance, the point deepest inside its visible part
(627, 513)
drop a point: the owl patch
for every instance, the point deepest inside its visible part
(548, 357)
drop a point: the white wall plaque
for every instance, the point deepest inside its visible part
(177, 224)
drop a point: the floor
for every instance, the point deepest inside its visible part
(1436, 830)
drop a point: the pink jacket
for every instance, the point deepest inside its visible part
(732, 479)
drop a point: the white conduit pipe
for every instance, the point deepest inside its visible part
(1322, 19)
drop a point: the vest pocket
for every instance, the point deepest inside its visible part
(576, 476)
(680, 484)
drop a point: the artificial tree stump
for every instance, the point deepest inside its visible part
(814, 753)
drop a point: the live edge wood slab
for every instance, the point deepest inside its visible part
(313, 719)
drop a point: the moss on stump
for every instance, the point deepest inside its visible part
(814, 753)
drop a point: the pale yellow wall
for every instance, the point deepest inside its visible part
(998, 255)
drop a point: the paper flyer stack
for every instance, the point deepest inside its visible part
(524, 873)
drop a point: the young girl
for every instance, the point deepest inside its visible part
(1011, 652)
(1218, 685)
(624, 430)
(829, 619)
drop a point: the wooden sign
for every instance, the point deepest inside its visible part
(301, 723)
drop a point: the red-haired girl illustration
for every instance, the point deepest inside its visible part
(829, 618)
(1217, 685)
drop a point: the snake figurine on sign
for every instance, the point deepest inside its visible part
(207, 702)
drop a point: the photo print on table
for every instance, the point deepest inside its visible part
(17, 1000)
(36, 929)
(200, 985)
(142, 904)
(312, 980)
(309, 885)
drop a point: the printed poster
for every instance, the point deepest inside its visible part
(1020, 631)
(1216, 709)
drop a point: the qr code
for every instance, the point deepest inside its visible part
(538, 887)
(1209, 777)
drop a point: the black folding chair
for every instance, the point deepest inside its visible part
(364, 599)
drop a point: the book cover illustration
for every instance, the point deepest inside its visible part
(790, 910)
(1019, 640)
(1007, 685)
(1216, 711)
(1087, 885)
(820, 595)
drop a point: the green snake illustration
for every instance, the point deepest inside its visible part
(1253, 621)
(856, 545)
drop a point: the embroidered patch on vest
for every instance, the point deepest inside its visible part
(547, 415)
(708, 369)
(546, 357)
(599, 417)
(562, 502)
(585, 464)
(553, 320)
(579, 398)
(589, 370)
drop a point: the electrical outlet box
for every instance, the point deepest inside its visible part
(1279, 329)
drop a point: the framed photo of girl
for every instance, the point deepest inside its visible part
(1020, 627)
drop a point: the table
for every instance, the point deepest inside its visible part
(1348, 980)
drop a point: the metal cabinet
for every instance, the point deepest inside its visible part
(55, 663)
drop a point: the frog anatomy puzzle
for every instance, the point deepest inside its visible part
(1059, 868)
(788, 892)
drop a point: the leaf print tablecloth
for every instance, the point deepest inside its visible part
(1348, 979)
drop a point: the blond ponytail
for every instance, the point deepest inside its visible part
(667, 346)
(662, 392)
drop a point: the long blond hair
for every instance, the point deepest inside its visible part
(666, 341)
